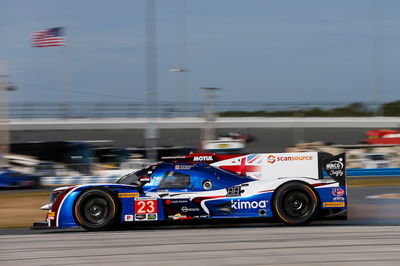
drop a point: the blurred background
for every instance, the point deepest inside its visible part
(91, 90)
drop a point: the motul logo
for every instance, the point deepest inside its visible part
(202, 158)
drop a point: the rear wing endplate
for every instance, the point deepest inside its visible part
(333, 165)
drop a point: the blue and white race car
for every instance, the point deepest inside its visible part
(13, 179)
(295, 188)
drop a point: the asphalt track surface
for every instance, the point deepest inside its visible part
(371, 236)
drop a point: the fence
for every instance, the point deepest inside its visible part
(28, 110)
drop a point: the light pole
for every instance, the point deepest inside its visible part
(180, 98)
(209, 112)
(151, 133)
(298, 130)
(5, 88)
(379, 55)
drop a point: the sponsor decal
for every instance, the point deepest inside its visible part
(294, 158)
(243, 204)
(177, 216)
(183, 167)
(144, 206)
(335, 165)
(338, 199)
(140, 217)
(201, 216)
(337, 191)
(271, 159)
(335, 168)
(128, 218)
(51, 216)
(202, 158)
(177, 201)
(337, 173)
(152, 216)
(186, 209)
(144, 217)
(145, 179)
(128, 195)
(334, 204)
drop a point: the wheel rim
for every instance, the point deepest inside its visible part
(297, 204)
(96, 210)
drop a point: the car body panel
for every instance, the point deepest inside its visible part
(188, 190)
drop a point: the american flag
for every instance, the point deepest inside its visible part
(48, 37)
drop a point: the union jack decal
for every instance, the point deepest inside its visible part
(249, 165)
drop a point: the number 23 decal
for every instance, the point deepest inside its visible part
(145, 206)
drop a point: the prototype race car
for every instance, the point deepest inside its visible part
(13, 179)
(295, 188)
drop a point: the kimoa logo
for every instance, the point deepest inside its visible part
(240, 205)
(202, 158)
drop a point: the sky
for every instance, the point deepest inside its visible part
(256, 51)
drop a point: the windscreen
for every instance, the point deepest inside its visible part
(133, 178)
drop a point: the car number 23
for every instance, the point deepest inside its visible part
(145, 205)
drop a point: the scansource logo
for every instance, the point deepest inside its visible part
(294, 158)
(271, 159)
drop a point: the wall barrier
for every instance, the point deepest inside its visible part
(373, 172)
(77, 180)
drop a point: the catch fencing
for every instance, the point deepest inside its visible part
(31, 110)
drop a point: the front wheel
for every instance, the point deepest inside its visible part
(95, 209)
(295, 203)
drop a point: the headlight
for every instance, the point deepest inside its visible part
(53, 198)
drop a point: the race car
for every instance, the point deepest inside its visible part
(295, 188)
(13, 179)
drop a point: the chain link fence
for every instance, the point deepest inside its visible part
(30, 110)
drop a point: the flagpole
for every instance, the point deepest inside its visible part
(64, 94)
(151, 133)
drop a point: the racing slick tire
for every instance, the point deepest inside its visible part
(295, 203)
(96, 209)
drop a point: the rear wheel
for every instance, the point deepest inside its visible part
(96, 209)
(295, 203)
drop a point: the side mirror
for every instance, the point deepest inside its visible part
(141, 182)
